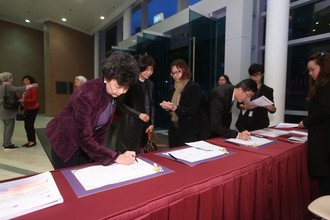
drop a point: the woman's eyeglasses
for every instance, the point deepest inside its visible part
(175, 73)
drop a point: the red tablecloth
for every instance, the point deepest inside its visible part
(232, 187)
(289, 193)
(264, 183)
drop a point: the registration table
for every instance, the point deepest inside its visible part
(289, 190)
(265, 183)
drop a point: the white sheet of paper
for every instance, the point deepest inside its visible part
(286, 125)
(304, 133)
(97, 176)
(253, 142)
(262, 101)
(270, 132)
(27, 195)
(198, 152)
(205, 145)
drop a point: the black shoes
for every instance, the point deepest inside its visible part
(30, 144)
(11, 147)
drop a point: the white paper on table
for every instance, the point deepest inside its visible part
(270, 132)
(253, 142)
(303, 133)
(205, 145)
(27, 195)
(286, 125)
(262, 101)
(97, 176)
(302, 139)
(194, 154)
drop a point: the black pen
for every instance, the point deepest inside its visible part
(127, 150)
(172, 156)
(233, 143)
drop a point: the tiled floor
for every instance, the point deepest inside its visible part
(23, 161)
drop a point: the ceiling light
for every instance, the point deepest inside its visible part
(317, 22)
(63, 19)
(102, 17)
(314, 30)
(27, 20)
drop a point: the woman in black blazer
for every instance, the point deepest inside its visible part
(183, 107)
(254, 117)
(318, 120)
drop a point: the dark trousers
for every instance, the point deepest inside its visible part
(30, 118)
(324, 184)
(78, 158)
(176, 139)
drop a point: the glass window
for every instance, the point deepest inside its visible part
(309, 20)
(192, 2)
(136, 21)
(155, 7)
(297, 75)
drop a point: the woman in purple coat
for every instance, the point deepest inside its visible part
(77, 133)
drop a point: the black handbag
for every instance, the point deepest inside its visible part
(10, 100)
(21, 113)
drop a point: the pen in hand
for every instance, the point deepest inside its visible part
(127, 150)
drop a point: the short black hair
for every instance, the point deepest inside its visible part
(254, 68)
(248, 85)
(122, 67)
(145, 61)
(30, 78)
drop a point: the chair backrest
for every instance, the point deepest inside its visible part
(321, 207)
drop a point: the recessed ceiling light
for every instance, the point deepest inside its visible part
(27, 20)
(317, 22)
(102, 17)
(63, 19)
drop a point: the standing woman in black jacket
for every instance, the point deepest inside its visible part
(183, 107)
(318, 120)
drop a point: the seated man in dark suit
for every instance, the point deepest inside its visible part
(221, 100)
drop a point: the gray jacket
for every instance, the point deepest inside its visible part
(4, 113)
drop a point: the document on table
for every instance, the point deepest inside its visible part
(93, 177)
(286, 125)
(198, 151)
(253, 142)
(270, 132)
(27, 195)
(302, 133)
(302, 139)
(262, 101)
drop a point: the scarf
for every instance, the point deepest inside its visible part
(179, 86)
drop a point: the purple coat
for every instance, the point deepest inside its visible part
(74, 127)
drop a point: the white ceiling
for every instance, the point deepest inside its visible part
(82, 15)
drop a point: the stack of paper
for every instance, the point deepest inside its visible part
(270, 132)
(27, 195)
(252, 142)
(261, 101)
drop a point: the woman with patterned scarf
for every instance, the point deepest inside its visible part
(184, 106)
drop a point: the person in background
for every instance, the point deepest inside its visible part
(252, 117)
(223, 79)
(77, 133)
(318, 120)
(79, 80)
(138, 109)
(31, 108)
(184, 106)
(221, 100)
(9, 116)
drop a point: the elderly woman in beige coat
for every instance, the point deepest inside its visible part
(8, 116)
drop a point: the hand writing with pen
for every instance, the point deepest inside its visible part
(244, 135)
(126, 158)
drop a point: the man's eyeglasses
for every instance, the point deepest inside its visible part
(175, 73)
